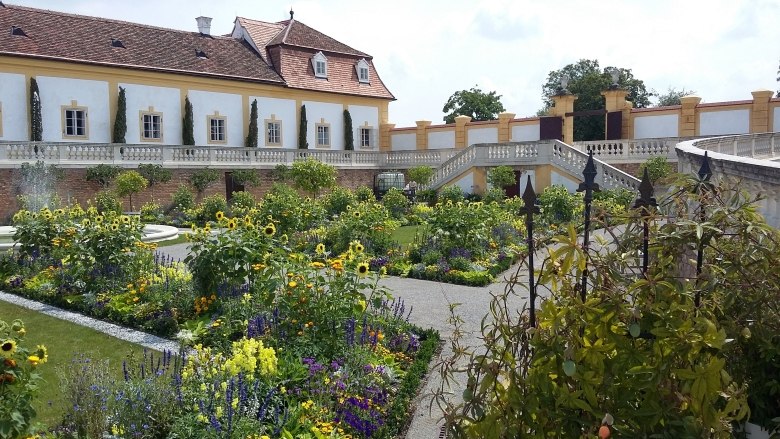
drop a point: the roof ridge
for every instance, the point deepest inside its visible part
(287, 30)
(111, 20)
(276, 23)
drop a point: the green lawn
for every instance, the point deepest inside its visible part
(181, 239)
(405, 235)
(64, 340)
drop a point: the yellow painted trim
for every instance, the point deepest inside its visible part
(74, 106)
(266, 140)
(724, 108)
(141, 128)
(523, 123)
(216, 117)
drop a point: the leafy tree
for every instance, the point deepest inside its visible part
(312, 175)
(302, 143)
(154, 173)
(120, 121)
(349, 139)
(281, 172)
(657, 168)
(129, 183)
(587, 80)
(188, 124)
(501, 177)
(475, 103)
(103, 174)
(202, 179)
(36, 125)
(251, 138)
(672, 97)
(246, 177)
(421, 174)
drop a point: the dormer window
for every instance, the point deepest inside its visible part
(18, 31)
(320, 65)
(362, 71)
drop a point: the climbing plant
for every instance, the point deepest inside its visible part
(120, 121)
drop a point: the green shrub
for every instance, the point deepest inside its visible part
(364, 193)
(154, 173)
(368, 223)
(151, 212)
(203, 178)
(288, 210)
(451, 193)
(211, 205)
(427, 196)
(658, 168)
(103, 174)
(501, 176)
(106, 201)
(338, 200)
(246, 177)
(421, 174)
(182, 199)
(241, 203)
(494, 194)
(460, 263)
(559, 206)
(432, 257)
(129, 183)
(396, 202)
(312, 176)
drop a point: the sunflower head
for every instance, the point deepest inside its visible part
(362, 269)
(114, 227)
(269, 230)
(7, 348)
(320, 249)
(356, 214)
(220, 215)
(232, 224)
(125, 219)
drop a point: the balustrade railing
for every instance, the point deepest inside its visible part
(631, 150)
(573, 161)
(758, 146)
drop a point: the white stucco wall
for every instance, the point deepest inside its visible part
(58, 92)
(283, 110)
(206, 103)
(13, 98)
(524, 181)
(565, 180)
(724, 122)
(666, 125)
(466, 183)
(403, 141)
(776, 120)
(363, 116)
(481, 135)
(332, 114)
(164, 100)
(441, 139)
(525, 133)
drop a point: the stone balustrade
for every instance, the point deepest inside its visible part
(744, 159)
(632, 150)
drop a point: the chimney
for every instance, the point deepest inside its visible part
(204, 25)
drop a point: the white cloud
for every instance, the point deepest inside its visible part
(425, 51)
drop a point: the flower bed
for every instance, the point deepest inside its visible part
(287, 344)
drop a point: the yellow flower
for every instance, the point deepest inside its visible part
(125, 219)
(34, 360)
(320, 249)
(362, 269)
(7, 348)
(269, 230)
(114, 227)
(292, 284)
(220, 215)
(317, 264)
(232, 224)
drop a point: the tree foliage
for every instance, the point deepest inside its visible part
(103, 174)
(120, 121)
(501, 176)
(421, 174)
(246, 177)
(349, 137)
(36, 125)
(312, 175)
(251, 137)
(474, 103)
(304, 126)
(154, 173)
(587, 80)
(129, 183)
(672, 96)
(188, 123)
(203, 178)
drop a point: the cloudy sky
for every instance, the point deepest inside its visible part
(425, 50)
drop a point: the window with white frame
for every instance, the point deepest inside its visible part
(362, 71)
(151, 126)
(273, 132)
(217, 128)
(74, 121)
(323, 135)
(320, 64)
(366, 134)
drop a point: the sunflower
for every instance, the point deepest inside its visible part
(359, 247)
(320, 249)
(220, 215)
(125, 219)
(269, 230)
(362, 269)
(85, 222)
(114, 227)
(232, 224)
(356, 214)
(7, 348)
(99, 219)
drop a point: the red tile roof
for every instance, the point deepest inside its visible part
(260, 32)
(69, 37)
(299, 35)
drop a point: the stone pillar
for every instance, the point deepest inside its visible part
(385, 142)
(504, 132)
(422, 134)
(565, 104)
(615, 100)
(759, 114)
(688, 125)
(480, 180)
(460, 131)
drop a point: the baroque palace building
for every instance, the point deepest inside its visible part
(80, 63)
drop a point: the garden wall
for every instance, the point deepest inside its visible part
(74, 187)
